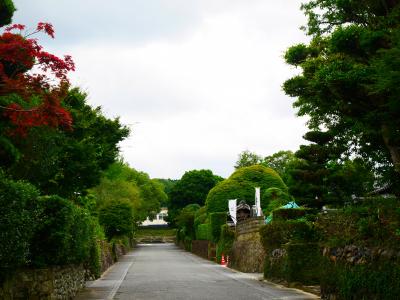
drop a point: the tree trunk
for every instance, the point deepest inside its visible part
(394, 150)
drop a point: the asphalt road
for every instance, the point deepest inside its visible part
(163, 271)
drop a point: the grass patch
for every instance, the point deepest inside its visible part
(141, 232)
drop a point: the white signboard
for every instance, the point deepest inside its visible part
(258, 202)
(232, 209)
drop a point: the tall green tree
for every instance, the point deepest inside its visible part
(247, 159)
(350, 78)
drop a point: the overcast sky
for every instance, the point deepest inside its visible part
(198, 81)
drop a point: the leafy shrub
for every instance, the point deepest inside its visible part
(303, 263)
(277, 233)
(185, 220)
(216, 221)
(18, 219)
(300, 263)
(203, 232)
(241, 184)
(117, 218)
(378, 280)
(64, 234)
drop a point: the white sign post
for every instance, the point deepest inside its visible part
(258, 202)
(232, 209)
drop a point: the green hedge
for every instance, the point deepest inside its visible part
(203, 232)
(301, 263)
(18, 220)
(378, 280)
(277, 233)
(216, 221)
(64, 235)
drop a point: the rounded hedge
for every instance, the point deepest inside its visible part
(240, 185)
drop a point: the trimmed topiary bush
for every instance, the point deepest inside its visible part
(241, 184)
(216, 221)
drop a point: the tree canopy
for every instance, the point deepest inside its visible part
(350, 79)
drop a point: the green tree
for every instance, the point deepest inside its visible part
(350, 78)
(247, 159)
(121, 182)
(7, 10)
(282, 162)
(117, 219)
(69, 162)
(192, 188)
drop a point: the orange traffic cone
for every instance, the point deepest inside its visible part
(223, 263)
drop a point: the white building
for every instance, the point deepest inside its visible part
(159, 220)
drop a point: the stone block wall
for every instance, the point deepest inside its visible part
(51, 283)
(249, 225)
(248, 254)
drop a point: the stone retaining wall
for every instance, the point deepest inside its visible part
(51, 283)
(248, 254)
(249, 226)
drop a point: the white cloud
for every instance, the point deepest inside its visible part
(198, 97)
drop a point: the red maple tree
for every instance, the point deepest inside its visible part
(33, 82)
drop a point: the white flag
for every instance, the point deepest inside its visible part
(232, 209)
(258, 202)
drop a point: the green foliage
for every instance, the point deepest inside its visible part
(7, 10)
(225, 243)
(349, 83)
(240, 185)
(64, 234)
(277, 233)
(18, 221)
(117, 219)
(203, 232)
(185, 221)
(247, 159)
(372, 223)
(303, 263)
(282, 162)
(379, 280)
(121, 182)
(67, 163)
(216, 221)
(192, 188)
